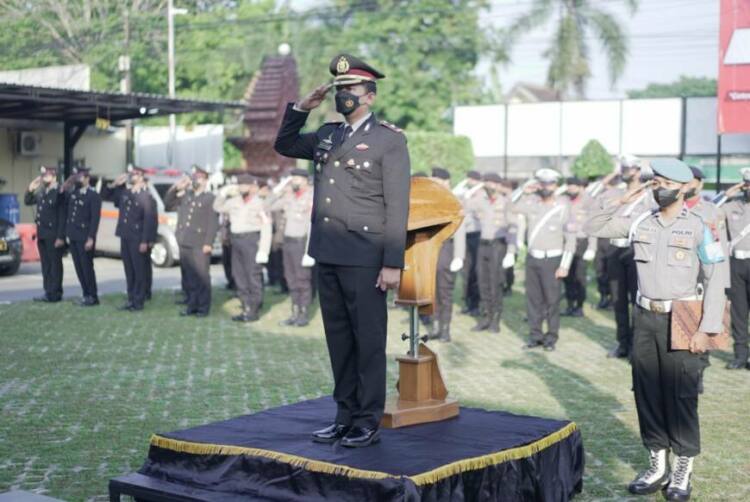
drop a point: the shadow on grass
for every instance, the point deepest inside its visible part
(593, 411)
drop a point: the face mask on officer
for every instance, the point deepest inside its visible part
(346, 102)
(746, 193)
(545, 191)
(244, 190)
(628, 175)
(665, 197)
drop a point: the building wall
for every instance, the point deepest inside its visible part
(102, 150)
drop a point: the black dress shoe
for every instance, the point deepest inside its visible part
(549, 347)
(43, 299)
(127, 306)
(532, 345)
(246, 317)
(136, 308)
(201, 313)
(182, 301)
(618, 352)
(89, 301)
(737, 365)
(330, 434)
(482, 325)
(359, 437)
(187, 312)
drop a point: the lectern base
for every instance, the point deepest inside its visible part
(400, 413)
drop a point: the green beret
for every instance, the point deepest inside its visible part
(672, 169)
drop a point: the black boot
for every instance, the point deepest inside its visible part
(303, 319)
(292, 319)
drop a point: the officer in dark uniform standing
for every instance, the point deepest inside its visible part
(197, 224)
(135, 224)
(44, 192)
(671, 245)
(450, 262)
(358, 236)
(154, 227)
(83, 213)
(575, 282)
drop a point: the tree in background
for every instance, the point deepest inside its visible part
(569, 51)
(593, 161)
(430, 149)
(686, 87)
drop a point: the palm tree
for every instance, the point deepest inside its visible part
(568, 52)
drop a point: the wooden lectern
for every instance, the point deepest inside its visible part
(434, 216)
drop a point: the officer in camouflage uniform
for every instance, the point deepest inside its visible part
(357, 237)
(670, 250)
(45, 194)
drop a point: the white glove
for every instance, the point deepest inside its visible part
(230, 191)
(308, 261)
(456, 264)
(509, 260)
(589, 254)
(280, 187)
(261, 258)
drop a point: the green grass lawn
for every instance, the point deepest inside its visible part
(81, 390)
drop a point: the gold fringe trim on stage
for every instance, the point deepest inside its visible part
(472, 464)
(425, 478)
(301, 462)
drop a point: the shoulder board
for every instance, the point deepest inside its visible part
(391, 127)
(332, 124)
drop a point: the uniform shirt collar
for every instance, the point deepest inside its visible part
(360, 122)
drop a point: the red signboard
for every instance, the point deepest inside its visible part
(734, 67)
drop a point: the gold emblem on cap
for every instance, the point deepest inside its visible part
(343, 65)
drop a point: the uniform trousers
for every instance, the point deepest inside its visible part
(575, 282)
(247, 273)
(83, 261)
(666, 384)
(52, 267)
(196, 278)
(298, 278)
(136, 266)
(491, 278)
(739, 295)
(471, 281)
(543, 291)
(624, 285)
(444, 284)
(355, 319)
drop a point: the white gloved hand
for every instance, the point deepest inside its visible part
(280, 187)
(261, 258)
(308, 261)
(589, 255)
(230, 191)
(509, 260)
(456, 264)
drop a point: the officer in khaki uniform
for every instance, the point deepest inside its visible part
(44, 192)
(197, 224)
(250, 231)
(294, 197)
(84, 208)
(575, 282)
(551, 244)
(735, 212)
(671, 255)
(135, 228)
(357, 237)
(497, 237)
(473, 236)
(450, 262)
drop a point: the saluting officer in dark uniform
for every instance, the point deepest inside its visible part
(135, 224)
(358, 235)
(84, 208)
(671, 247)
(44, 192)
(197, 224)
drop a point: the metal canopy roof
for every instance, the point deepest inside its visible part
(84, 107)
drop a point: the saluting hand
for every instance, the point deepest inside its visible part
(734, 189)
(315, 98)
(388, 278)
(121, 179)
(633, 194)
(35, 183)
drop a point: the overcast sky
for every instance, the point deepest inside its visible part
(668, 38)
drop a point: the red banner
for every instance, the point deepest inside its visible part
(734, 67)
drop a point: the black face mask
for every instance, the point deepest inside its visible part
(572, 195)
(544, 192)
(627, 178)
(79, 184)
(666, 196)
(490, 191)
(196, 184)
(296, 187)
(346, 102)
(746, 194)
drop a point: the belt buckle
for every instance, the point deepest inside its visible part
(658, 307)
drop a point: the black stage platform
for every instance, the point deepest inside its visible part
(481, 455)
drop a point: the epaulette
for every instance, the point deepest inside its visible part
(391, 127)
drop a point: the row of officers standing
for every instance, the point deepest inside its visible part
(68, 215)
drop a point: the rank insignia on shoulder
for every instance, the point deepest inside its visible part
(362, 147)
(391, 126)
